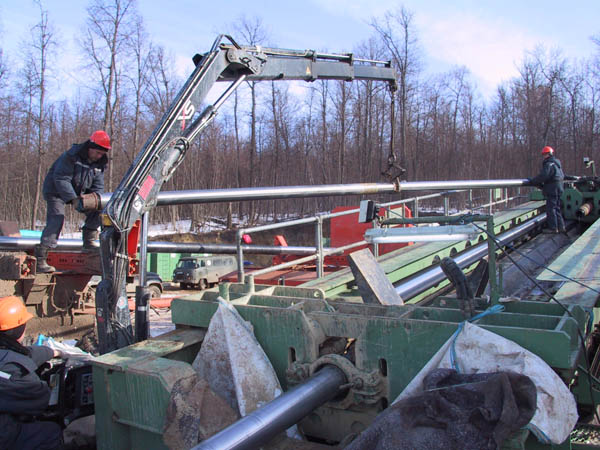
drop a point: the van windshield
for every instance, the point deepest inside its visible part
(186, 264)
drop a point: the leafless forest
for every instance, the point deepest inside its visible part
(338, 132)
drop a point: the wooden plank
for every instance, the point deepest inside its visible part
(373, 284)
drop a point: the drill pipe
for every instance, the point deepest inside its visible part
(283, 192)
(260, 426)
(28, 243)
(584, 209)
(192, 247)
(432, 276)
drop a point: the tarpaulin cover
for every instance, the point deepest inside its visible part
(475, 350)
(455, 411)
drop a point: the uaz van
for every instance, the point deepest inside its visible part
(202, 271)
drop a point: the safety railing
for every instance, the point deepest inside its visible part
(318, 219)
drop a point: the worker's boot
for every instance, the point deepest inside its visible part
(41, 253)
(90, 240)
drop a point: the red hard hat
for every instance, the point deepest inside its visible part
(13, 313)
(99, 137)
(547, 149)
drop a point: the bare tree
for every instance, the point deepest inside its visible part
(252, 32)
(109, 27)
(3, 71)
(141, 49)
(398, 33)
(38, 51)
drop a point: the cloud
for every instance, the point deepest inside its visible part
(488, 46)
(361, 10)
(491, 50)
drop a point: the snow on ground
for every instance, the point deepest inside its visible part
(160, 322)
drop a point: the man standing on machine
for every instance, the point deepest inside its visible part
(77, 177)
(551, 181)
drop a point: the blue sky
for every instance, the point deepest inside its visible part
(488, 37)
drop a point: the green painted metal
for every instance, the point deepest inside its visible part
(386, 346)
(410, 260)
(573, 198)
(389, 344)
(580, 261)
(132, 388)
(402, 339)
(164, 263)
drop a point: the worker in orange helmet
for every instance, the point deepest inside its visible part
(77, 178)
(551, 181)
(23, 396)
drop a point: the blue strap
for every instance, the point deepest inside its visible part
(539, 434)
(491, 310)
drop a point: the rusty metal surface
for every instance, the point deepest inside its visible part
(79, 262)
(15, 266)
(194, 413)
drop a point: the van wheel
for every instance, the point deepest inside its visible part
(183, 286)
(202, 285)
(155, 291)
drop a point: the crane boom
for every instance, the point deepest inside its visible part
(166, 148)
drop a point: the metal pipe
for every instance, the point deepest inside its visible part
(8, 243)
(142, 293)
(265, 193)
(240, 256)
(24, 244)
(420, 283)
(319, 244)
(260, 426)
(229, 249)
(285, 192)
(27, 243)
(584, 209)
(143, 249)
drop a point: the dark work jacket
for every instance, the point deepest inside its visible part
(23, 394)
(551, 177)
(72, 174)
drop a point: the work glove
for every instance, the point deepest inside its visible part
(88, 202)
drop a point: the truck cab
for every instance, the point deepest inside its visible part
(202, 271)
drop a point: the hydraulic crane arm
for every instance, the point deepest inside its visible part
(168, 144)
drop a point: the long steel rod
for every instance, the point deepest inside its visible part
(260, 426)
(143, 249)
(430, 277)
(192, 247)
(286, 192)
(28, 243)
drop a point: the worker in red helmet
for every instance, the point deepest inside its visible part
(551, 181)
(23, 396)
(76, 178)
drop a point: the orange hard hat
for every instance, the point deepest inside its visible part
(547, 149)
(99, 137)
(13, 313)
